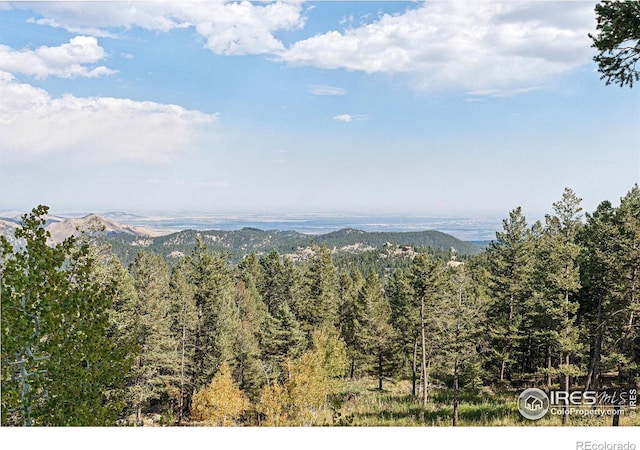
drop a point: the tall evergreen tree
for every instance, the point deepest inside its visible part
(184, 324)
(274, 281)
(558, 280)
(122, 320)
(599, 279)
(628, 254)
(155, 377)
(320, 306)
(252, 314)
(461, 313)
(510, 259)
(406, 321)
(376, 334)
(350, 316)
(218, 320)
(428, 283)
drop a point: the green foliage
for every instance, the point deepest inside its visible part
(558, 280)
(510, 268)
(618, 41)
(218, 325)
(154, 378)
(404, 317)
(376, 335)
(553, 302)
(350, 316)
(348, 243)
(252, 313)
(60, 365)
(330, 351)
(184, 325)
(320, 305)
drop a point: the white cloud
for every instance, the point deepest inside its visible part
(469, 45)
(500, 93)
(232, 28)
(94, 130)
(67, 60)
(317, 89)
(350, 118)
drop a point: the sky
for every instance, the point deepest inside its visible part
(407, 108)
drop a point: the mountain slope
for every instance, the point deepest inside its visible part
(91, 223)
(247, 240)
(127, 240)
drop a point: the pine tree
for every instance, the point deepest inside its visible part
(320, 291)
(350, 315)
(510, 259)
(274, 282)
(427, 281)
(628, 254)
(558, 280)
(252, 313)
(376, 333)
(122, 318)
(406, 321)
(155, 378)
(599, 276)
(461, 312)
(184, 324)
(218, 323)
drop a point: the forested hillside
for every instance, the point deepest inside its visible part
(237, 244)
(198, 338)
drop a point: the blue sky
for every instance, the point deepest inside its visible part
(441, 108)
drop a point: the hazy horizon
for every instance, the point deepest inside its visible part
(464, 228)
(459, 109)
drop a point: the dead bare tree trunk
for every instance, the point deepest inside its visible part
(506, 344)
(425, 380)
(593, 375)
(182, 370)
(380, 369)
(456, 390)
(565, 387)
(414, 369)
(549, 366)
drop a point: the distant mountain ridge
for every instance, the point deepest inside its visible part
(292, 243)
(126, 240)
(60, 228)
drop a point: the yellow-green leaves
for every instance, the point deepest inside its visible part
(221, 403)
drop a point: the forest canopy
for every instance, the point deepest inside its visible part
(269, 341)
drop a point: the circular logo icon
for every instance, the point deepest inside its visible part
(533, 403)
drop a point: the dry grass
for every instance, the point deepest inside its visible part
(359, 403)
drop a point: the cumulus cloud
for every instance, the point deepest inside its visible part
(95, 130)
(437, 45)
(350, 118)
(317, 89)
(67, 60)
(469, 45)
(232, 28)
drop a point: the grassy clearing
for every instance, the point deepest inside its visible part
(359, 403)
